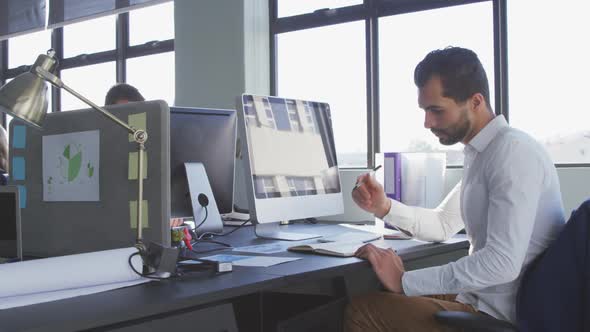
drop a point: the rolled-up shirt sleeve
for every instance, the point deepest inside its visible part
(433, 225)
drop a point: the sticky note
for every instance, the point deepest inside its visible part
(22, 196)
(133, 214)
(133, 165)
(137, 121)
(19, 137)
(18, 168)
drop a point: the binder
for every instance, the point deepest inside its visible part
(390, 175)
(413, 178)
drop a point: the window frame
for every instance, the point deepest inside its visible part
(122, 52)
(370, 11)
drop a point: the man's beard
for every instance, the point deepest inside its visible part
(455, 133)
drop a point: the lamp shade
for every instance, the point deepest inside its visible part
(25, 97)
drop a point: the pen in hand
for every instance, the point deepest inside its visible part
(360, 183)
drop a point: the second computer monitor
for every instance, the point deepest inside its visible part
(207, 136)
(291, 168)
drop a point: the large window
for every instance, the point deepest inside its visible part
(153, 75)
(24, 49)
(150, 67)
(92, 82)
(297, 7)
(327, 64)
(89, 37)
(151, 23)
(362, 55)
(404, 40)
(548, 67)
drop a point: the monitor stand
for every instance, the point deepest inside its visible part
(272, 231)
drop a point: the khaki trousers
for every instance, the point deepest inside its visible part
(385, 311)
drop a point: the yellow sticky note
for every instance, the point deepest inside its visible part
(137, 121)
(133, 165)
(133, 214)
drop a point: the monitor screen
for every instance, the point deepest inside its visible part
(292, 166)
(207, 136)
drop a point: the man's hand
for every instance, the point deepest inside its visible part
(388, 266)
(370, 196)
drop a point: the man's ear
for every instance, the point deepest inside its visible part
(477, 101)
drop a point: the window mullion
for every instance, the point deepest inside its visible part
(122, 46)
(57, 43)
(3, 68)
(372, 75)
(501, 58)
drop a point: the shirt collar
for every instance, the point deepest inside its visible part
(488, 133)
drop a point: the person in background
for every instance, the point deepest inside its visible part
(508, 201)
(122, 93)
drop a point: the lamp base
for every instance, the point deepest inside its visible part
(158, 260)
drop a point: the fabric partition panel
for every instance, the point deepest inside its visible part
(21, 16)
(63, 12)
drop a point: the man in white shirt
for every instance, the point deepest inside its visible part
(509, 203)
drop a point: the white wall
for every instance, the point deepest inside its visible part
(221, 51)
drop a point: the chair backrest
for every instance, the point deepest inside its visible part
(555, 293)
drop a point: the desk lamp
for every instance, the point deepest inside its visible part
(25, 97)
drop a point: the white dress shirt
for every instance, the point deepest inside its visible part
(509, 203)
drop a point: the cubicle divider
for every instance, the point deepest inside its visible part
(77, 179)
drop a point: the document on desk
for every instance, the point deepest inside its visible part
(340, 249)
(253, 261)
(56, 278)
(267, 248)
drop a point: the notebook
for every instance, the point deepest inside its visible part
(339, 249)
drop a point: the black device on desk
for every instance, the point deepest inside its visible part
(207, 136)
(10, 233)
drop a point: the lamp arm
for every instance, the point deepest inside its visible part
(51, 78)
(139, 135)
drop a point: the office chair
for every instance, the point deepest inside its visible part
(554, 294)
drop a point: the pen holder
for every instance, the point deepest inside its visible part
(177, 236)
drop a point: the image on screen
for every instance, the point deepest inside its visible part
(291, 147)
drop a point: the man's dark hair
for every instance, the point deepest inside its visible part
(122, 91)
(461, 73)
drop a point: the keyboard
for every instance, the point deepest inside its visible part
(358, 237)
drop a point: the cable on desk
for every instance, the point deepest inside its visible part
(144, 275)
(204, 219)
(225, 246)
(210, 234)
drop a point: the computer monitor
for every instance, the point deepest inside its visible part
(208, 136)
(291, 168)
